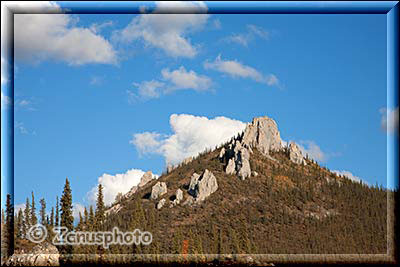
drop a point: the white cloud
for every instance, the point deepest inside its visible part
(19, 207)
(167, 32)
(244, 39)
(191, 135)
(179, 79)
(76, 208)
(113, 184)
(313, 150)
(98, 27)
(349, 175)
(390, 120)
(182, 79)
(150, 89)
(146, 142)
(39, 37)
(236, 69)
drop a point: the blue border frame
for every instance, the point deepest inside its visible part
(390, 8)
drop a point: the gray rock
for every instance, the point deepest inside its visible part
(187, 160)
(254, 173)
(222, 154)
(178, 198)
(179, 195)
(262, 134)
(114, 209)
(170, 168)
(159, 189)
(231, 167)
(43, 254)
(147, 177)
(193, 183)
(203, 186)
(244, 170)
(161, 203)
(295, 154)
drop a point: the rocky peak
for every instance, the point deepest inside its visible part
(262, 134)
(295, 154)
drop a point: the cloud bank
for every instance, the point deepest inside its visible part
(168, 32)
(171, 80)
(191, 135)
(39, 37)
(114, 184)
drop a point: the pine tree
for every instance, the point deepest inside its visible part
(57, 221)
(100, 208)
(91, 218)
(85, 218)
(67, 220)
(52, 217)
(20, 224)
(43, 212)
(27, 217)
(33, 211)
(9, 236)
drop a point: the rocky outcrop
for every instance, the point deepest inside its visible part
(113, 209)
(159, 189)
(203, 186)
(231, 167)
(147, 177)
(262, 134)
(187, 160)
(178, 198)
(161, 203)
(43, 254)
(295, 154)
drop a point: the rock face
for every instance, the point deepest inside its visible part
(147, 177)
(161, 203)
(113, 209)
(202, 186)
(262, 134)
(295, 154)
(231, 167)
(43, 254)
(187, 160)
(178, 198)
(159, 189)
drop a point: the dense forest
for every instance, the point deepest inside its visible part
(286, 209)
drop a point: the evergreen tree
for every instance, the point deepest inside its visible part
(27, 216)
(85, 218)
(100, 208)
(91, 218)
(51, 223)
(20, 224)
(9, 236)
(33, 211)
(67, 220)
(43, 212)
(57, 219)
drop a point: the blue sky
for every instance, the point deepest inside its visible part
(83, 100)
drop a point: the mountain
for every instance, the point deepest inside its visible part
(254, 194)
